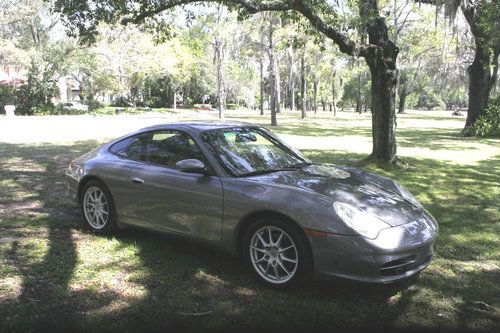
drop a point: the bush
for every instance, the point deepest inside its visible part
(121, 102)
(232, 106)
(454, 98)
(429, 100)
(34, 96)
(42, 110)
(488, 124)
(93, 104)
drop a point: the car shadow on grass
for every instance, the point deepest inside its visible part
(57, 275)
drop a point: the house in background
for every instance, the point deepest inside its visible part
(67, 86)
(68, 90)
(12, 76)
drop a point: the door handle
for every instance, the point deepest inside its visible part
(136, 180)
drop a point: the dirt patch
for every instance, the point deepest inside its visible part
(16, 207)
(10, 239)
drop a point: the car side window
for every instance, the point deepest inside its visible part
(132, 147)
(164, 147)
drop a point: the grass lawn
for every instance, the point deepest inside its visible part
(54, 273)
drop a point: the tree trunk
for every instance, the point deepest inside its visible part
(402, 100)
(483, 70)
(220, 89)
(334, 93)
(292, 94)
(175, 100)
(479, 85)
(262, 92)
(384, 76)
(315, 96)
(274, 94)
(34, 34)
(292, 79)
(303, 88)
(284, 95)
(277, 84)
(359, 103)
(383, 91)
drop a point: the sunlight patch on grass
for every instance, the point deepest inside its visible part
(343, 143)
(427, 308)
(10, 286)
(478, 154)
(102, 261)
(32, 250)
(212, 281)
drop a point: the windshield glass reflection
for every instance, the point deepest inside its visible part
(250, 151)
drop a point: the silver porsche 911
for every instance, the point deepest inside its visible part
(239, 187)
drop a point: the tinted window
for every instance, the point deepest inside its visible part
(159, 147)
(132, 147)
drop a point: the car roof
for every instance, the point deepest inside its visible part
(200, 126)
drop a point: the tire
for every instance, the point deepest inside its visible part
(284, 263)
(96, 196)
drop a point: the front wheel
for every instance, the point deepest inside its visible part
(97, 208)
(278, 253)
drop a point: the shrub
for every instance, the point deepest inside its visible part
(488, 124)
(121, 102)
(43, 110)
(34, 96)
(93, 105)
(232, 106)
(429, 100)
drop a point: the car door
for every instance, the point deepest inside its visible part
(117, 171)
(185, 203)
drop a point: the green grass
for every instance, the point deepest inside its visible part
(54, 273)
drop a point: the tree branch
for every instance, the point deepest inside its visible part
(345, 44)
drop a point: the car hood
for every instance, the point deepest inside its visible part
(376, 195)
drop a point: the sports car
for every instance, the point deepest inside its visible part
(239, 187)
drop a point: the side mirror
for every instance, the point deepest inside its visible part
(190, 166)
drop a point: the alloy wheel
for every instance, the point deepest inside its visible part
(96, 207)
(274, 254)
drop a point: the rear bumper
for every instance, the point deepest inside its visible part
(72, 187)
(396, 254)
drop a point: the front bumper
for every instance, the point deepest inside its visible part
(397, 253)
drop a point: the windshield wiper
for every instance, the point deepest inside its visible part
(263, 172)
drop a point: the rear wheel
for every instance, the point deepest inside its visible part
(277, 253)
(98, 208)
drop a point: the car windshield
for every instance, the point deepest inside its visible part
(247, 151)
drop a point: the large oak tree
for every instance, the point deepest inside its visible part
(379, 52)
(483, 18)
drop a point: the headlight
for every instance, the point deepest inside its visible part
(74, 170)
(365, 224)
(407, 195)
